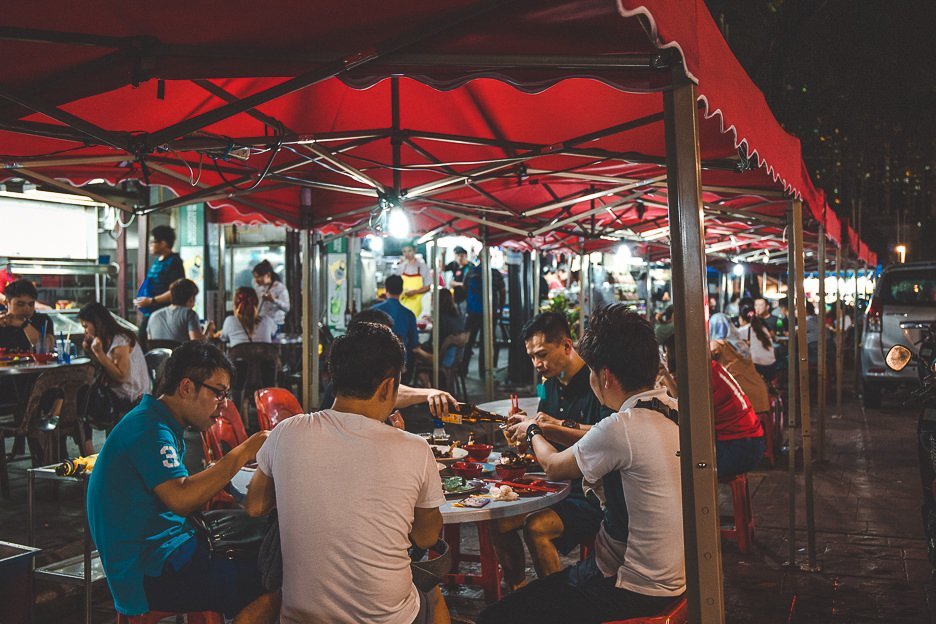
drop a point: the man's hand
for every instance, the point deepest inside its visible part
(516, 415)
(251, 445)
(143, 302)
(439, 402)
(542, 418)
(11, 320)
(517, 431)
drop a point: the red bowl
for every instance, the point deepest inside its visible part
(509, 473)
(478, 452)
(43, 358)
(468, 470)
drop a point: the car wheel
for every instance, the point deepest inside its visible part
(870, 395)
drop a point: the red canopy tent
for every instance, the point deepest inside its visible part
(518, 139)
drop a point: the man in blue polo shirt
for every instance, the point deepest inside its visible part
(166, 268)
(404, 321)
(140, 494)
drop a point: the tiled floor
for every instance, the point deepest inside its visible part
(869, 544)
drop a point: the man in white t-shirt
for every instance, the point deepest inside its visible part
(639, 567)
(352, 495)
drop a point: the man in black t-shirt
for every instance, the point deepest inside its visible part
(21, 327)
(567, 409)
(459, 269)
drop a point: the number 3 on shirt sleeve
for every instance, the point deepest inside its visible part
(170, 456)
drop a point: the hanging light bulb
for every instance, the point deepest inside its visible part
(398, 224)
(738, 270)
(375, 243)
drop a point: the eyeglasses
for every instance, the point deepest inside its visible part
(221, 394)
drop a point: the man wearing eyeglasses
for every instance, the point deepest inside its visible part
(140, 495)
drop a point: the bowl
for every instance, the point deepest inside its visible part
(478, 452)
(43, 358)
(468, 470)
(509, 473)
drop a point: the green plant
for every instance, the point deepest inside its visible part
(560, 303)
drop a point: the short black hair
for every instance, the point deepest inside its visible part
(21, 288)
(460, 250)
(622, 342)
(181, 290)
(363, 358)
(163, 233)
(372, 316)
(195, 360)
(783, 302)
(667, 314)
(394, 285)
(553, 325)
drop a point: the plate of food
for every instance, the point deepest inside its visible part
(461, 486)
(448, 454)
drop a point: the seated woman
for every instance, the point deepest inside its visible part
(731, 351)
(246, 325)
(116, 353)
(753, 330)
(450, 322)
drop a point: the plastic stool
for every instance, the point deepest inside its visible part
(586, 549)
(154, 617)
(767, 424)
(743, 530)
(676, 613)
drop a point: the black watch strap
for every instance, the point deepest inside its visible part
(532, 432)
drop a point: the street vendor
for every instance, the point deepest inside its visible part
(416, 279)
(166, 268)
(567, 410)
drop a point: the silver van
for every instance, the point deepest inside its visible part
(903, 304)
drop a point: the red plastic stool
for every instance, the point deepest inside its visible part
(154, 617)
(586, 549)
(490, 578)
(743, 530)
(676, 613)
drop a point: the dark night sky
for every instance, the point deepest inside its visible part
(855, 80)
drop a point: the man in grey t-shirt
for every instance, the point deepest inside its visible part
(178, 322)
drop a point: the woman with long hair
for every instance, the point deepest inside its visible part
(116, 352)
(272, 294)
(755, 332)
(246, 325)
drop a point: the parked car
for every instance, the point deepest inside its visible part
(902, 306)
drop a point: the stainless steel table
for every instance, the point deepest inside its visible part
(35, 369)
(84, 569)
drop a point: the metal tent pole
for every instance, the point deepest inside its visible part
(122, 276)
(856, 343)
(803, 380)
(317, 292)
(221, 305)
(584, 286)
(535, 307)
(305, 243)
(821, 366)
(704, 589)
(839, 330)
(351, 272)
(434, 274)
(792, 394)
(649, 285)
(487, 329)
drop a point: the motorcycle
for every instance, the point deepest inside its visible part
(898, 357)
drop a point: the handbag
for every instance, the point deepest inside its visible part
(100, 409)
(231, 533)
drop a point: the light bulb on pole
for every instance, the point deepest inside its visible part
(398, 224)
(901, 253)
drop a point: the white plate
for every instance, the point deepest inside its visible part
(458, 454)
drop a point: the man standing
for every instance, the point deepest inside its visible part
(416, 279)
(404, 321)
(638, 567)
(166, 268)
(567, 410)
(345, 531)
(475, 308)
(458, 268)
(140, 494)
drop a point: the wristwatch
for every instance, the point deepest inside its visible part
(532, 432)
(570, 424)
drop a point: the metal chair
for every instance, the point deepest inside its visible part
(275, 405)
(45, 435)
(257, 365)
(155, 360)
(163, 344)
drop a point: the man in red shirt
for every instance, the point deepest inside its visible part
(739, 437)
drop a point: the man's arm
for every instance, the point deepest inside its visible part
(558, 465)
(261, 495)
(439, 400)
(427, 523)
(188, 494)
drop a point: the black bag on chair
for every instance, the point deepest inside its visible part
(231, 533)
(100, 409)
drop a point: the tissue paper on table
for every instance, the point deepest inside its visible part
(503, 493)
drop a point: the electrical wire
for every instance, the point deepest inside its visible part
(263, 174)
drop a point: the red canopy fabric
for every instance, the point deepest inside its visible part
(459, 105)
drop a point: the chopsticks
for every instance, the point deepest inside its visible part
(514, 403)
(538, 488)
